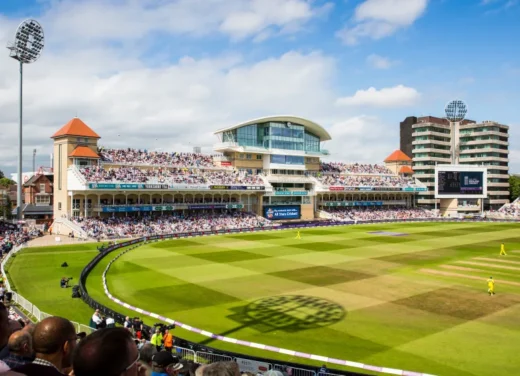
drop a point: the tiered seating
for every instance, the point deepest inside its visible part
(155, 158)
(122, 227)
(355, 168)
(371, 214)
(167, 175)
(365, 181)
(512, 209)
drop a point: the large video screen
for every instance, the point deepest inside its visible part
(282, 212)
(460, 183)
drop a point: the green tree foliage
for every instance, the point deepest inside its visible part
(6, 207)
(514, 187)
(1, 174)
(5, 182)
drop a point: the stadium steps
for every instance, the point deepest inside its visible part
(63, 226)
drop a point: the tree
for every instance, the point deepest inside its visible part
(1, 174)
(514, 187)
(6, 207)
(5, 182)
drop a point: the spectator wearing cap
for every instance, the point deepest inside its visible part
(229, 368)
(107, 352)
(165, 364)
(54, 340)
(20, 349)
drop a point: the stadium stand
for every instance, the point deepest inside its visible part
(123, 227)
(511, 210)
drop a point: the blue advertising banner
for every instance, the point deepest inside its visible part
(282, 212)
(291, 193)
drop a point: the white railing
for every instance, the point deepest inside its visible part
(29, 308)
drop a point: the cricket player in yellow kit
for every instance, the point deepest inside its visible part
(503, 250)
(298, 236)
(491, 286)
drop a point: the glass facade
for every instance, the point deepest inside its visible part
(274, 135)
(287, 159)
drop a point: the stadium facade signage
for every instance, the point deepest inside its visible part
(379, 189)
(126, 186)
(237, 187)
(291, 193)
(148, 208)
(217, 206)
(282, 212)
(189, 187)
(354, 203)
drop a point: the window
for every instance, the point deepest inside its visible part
(287, 159)
(42, 188)
(259, 156)
(43, 200)
(59, 205)
(248, 156)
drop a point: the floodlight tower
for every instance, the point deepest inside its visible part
(27, 47)
(455, 112)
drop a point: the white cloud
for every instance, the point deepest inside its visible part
(397, 96)
(376, 19)
(380, 62)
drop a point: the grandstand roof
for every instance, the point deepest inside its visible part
(405, 170)
(76, 127)
(313, 127)
(398, 156)
(83, 152)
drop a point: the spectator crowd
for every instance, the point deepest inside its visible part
(355, 168)
(371, 214)
(53, 348)
(511, 210)
(365, 181)
(123, 227)
(155, 158)
(168, 176)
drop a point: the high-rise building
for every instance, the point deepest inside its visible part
(436, 141)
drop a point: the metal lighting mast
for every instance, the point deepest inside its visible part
(26, 48)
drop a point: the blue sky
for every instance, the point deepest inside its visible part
(166, 73)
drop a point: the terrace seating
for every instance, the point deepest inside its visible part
(155, 158)
(365, 181)
(167, 175)
(371, 214)
(123, 227)
(355, 168)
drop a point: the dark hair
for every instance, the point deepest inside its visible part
(106, 352)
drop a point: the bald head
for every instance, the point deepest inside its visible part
(20, 343)
(51, 334)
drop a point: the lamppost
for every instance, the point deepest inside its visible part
(26, 48)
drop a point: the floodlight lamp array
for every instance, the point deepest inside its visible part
(29, 42)
(456, 110)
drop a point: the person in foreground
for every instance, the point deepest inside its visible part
(491, 286)
(54, 339)
(165, 364)
(107, 352)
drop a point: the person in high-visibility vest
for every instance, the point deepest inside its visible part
(157, 339)
(168, 341)
(503, 250)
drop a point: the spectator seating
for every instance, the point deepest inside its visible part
(355, 168)
(371, 214)
(123, 227)
(155, 158)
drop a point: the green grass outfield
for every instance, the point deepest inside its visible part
(416, 302)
